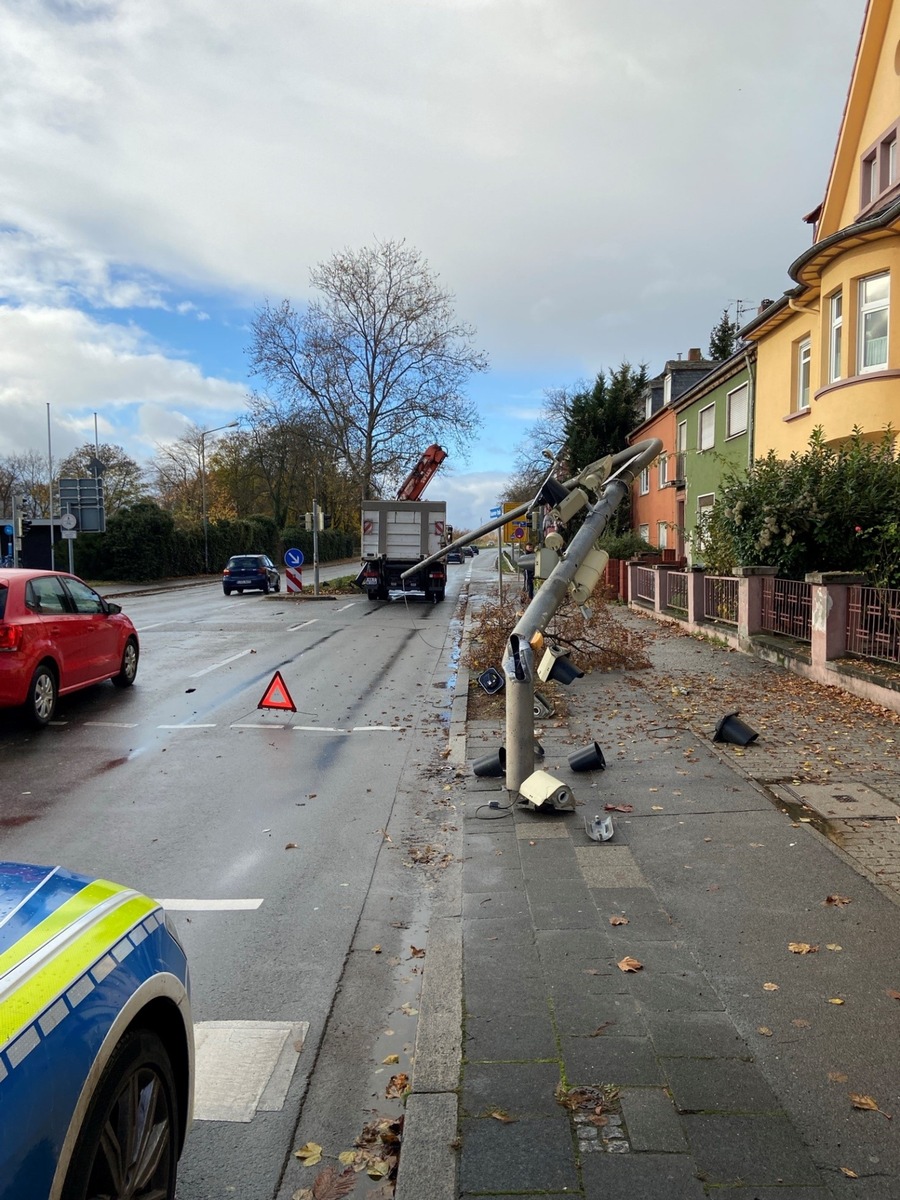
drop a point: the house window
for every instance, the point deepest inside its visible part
(891, 157)
(663, 470)
(667, 389)
(645, 481)
(878, 168)
(837, 327)
(874, 297)
(706, 427)
(870, 179)
(736, 411)
(804, 358)
(644, 531)
(704, 511)
(680, 448)
(661, 534)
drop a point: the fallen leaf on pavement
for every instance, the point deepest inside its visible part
(622, 808)
(656, 808)
(765, 1031)
(601, 1029)
(407, 1009)
(893, 995)
(837, 1077)
(835, 1000)
(800, 1023)
(850, 1174)
(802, 948)
(770, 987)
(378, 1169)
(398, 1086)
(291, 846)
(309, 1154)
(624, 921)
(329, 1184)
(833, 946)
(630, 964)
(376, 949)
(500, 1114)
(415, 952)
(348, 1157)
(838, 901)
(869, 1103)
(391, 1059)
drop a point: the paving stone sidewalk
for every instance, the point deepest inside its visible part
(724, 1063)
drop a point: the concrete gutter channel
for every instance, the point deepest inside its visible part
(439, 1138)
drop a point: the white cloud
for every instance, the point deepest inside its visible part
(80, 366)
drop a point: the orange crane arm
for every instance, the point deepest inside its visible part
(422, 473)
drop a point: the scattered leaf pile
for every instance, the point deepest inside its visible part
(376, 1151)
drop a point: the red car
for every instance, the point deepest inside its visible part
(58, 635)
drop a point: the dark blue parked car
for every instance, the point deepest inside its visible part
(250, 572)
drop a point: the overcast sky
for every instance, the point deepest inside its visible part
(594, 180)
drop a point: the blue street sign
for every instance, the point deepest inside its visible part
(293, 558)
(7, 529)
(495, 512)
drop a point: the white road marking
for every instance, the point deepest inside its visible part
(343, 606)
(141, 628)
(244, 1067)
(257, 725)
(186, 726)
(113, 724)
(303, 624)
(210, 905)
(318, 729)
(380, 728)
(223, 663)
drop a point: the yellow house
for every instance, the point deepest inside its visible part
(829, 348)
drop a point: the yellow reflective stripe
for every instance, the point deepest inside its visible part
(72, 910)
(59, 973)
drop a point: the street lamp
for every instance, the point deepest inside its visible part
(204, 433)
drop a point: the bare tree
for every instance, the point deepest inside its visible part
(29, 474)
(547, 433)
(380, 360)
(123, 478)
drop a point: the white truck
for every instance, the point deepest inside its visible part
(397, 534)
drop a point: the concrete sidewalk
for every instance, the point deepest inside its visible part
(725, 1064)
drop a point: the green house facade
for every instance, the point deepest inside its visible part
(713, 438)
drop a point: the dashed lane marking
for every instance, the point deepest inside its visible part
(302, 624)
(223, 663)
(113, 724)
(345, 606)
(186, 726)
(210, 905)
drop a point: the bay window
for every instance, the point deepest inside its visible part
(874, 298)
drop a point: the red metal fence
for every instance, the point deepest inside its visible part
(787, 608)
(720, 598)
(873, 623)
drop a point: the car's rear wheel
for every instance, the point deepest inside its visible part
(128, 1145)
(278, 584)
(227, 591)
(43, 692)
(128, 669)
(265, 588)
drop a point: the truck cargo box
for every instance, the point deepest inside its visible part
(403, 530)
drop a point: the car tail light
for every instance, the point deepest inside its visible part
(10, 637)
(226, 572)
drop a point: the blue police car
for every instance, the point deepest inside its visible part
(96, 1039)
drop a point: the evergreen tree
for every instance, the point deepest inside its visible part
(602, 415)
(723, 338)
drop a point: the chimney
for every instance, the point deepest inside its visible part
(694, 354)
(763, 305)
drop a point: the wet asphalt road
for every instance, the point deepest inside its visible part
(184, 789)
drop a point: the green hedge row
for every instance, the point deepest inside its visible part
(142, 543)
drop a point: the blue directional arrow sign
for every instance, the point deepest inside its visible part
(293, 558)
(495, 512)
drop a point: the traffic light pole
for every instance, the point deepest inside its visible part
(315, 523)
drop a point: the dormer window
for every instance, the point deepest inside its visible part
(667, 389)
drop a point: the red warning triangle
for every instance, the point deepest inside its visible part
(276, 695)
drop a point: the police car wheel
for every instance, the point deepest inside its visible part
(128, 670)
(128, 1145)
(42, 695)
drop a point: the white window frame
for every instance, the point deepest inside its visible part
(645, 482)
(681, 437)
(667, 388)
(704, 507)
(662, 539)
(644, 532)
(804, 373)
(871, 186)
(730, 430)
(835, 336)
(865, 308)
(702, 442)
(663, 469)
(891, 161)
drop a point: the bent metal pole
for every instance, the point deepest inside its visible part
(518, 663)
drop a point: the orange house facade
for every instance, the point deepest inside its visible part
(653, 506)
(829, 348)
